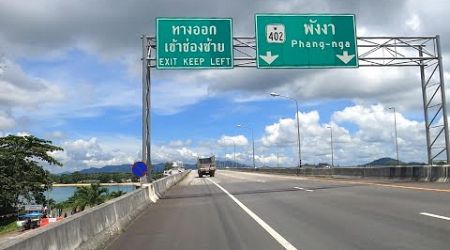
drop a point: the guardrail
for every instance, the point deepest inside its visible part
(416, 173)
(92, 228)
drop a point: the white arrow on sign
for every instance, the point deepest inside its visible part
(268, 58)
(345, 57)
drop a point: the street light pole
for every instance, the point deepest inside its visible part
(396, 137)
(298, 128)
(331, 143)
(253, 142)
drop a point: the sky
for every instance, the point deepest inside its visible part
(70, 72)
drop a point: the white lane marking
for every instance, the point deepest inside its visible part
(304, 189)
(240, 177)
(267, 175)
(286, 244)
(435, 216)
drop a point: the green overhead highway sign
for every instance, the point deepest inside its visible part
(305, 41)
(194, 43)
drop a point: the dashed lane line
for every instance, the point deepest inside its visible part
(435, 216)
(304, 189)
(368, 183)
(280, 239)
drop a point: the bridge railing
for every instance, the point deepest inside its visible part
(92, 228)
(416, 173)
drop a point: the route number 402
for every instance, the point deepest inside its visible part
(275, 33)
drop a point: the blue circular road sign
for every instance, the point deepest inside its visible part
(139, 169)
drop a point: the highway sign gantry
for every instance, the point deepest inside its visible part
(194, 43)
(305, 41)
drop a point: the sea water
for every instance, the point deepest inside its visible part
(60, 194)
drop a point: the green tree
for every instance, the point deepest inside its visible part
(89, 196)
(115, 194)
(168, 165)
(22, 178)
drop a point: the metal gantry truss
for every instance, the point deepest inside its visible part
(422, 52)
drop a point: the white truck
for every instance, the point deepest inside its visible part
(206, 166)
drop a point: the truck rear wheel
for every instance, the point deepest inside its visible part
(200, 175)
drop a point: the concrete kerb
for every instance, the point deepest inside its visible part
(158, 188)
(92, 228)
(414, 173)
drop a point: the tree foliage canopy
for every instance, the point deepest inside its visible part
(22, 178)
(89, 196)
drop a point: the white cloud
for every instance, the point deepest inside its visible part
(6, 121)
(82, 153)
(164, 153)
(23, 134)
(106, 35)
(271, 160)
(238, 140)
(180, 143)
(22, 94)
(56, 135)
(373, 136)
(22, 90)
(413, 22)
(173, 91)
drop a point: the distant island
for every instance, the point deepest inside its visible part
(386, 161)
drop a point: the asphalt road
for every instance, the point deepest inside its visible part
(237, 210)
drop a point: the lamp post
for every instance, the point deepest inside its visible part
(396, 137)
(253, 142)
(298, 126)
(331, 143)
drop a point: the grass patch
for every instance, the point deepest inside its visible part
(8, 225)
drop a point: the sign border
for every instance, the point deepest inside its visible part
(194, 18)
(305, 67)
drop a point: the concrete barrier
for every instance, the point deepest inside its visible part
(415, 173)
(92, 228)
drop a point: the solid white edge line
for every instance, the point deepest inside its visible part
(436, 216)
(286, 244)
(304, 189)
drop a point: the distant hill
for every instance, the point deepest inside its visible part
(124, 168)
(384, 162)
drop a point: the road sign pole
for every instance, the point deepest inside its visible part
(146, 146)
(144, 73)
(149, 123)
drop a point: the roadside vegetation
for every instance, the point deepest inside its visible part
(22, 178)
(8, 225)
(77, 177)
(84, 197)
